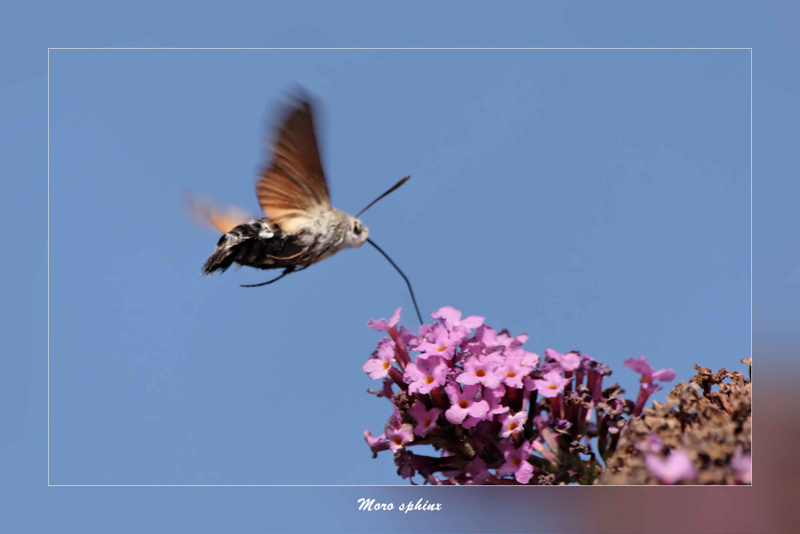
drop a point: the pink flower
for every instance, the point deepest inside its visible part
(425, 374)
(426, 419)
(652, 444)
(438, 341)
(486, 383)
(512, 374)
(476, 472)
(372, 442)
(399, 436)
(743, 466)
(646, 389)
(649, 388)
(464, 403)
(382, 325)
(382, 359)
(376, 444)
(476, 349)
(487, 336)
(512, 424)
(551, 366)
(550, 386)
(516, 461)
(568, 362)
(518, 364)
(479, 372)
(386, 390)
(451, 318)
(407, 337)
(676, 467)
(405, 464)
(505, 339)
(525, 358)
(495, 398)
(641, 366)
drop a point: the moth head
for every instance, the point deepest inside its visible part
(356, 234)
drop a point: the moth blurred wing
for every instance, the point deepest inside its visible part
(223, 219)
(292, 190)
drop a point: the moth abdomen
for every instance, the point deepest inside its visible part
(256, 244)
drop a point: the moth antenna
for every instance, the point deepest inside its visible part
(395, 186)
(371, 242)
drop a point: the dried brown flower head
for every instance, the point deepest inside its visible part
(707, 421)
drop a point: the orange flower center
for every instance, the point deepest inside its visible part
(552, 386)
(442, 348)
(429, 379)
(463, 404)
(398, 440)
(480, 373)
(426, 423)
(511, 374)
(513, 425)
(516, 461)
(386, 365)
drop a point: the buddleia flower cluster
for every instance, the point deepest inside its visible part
(493, 412)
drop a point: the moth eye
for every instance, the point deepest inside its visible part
(357, 228)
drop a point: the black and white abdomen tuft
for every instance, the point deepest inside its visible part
(256, 244)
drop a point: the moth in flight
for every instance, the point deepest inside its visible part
(300, 227)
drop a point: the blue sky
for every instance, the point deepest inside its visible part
(613, 180)
(595, 199)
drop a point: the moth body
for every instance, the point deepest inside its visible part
(262, 244)
(300, 227)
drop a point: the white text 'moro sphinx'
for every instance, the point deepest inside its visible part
(300, 227)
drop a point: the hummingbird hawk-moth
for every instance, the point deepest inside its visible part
(300, 227)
